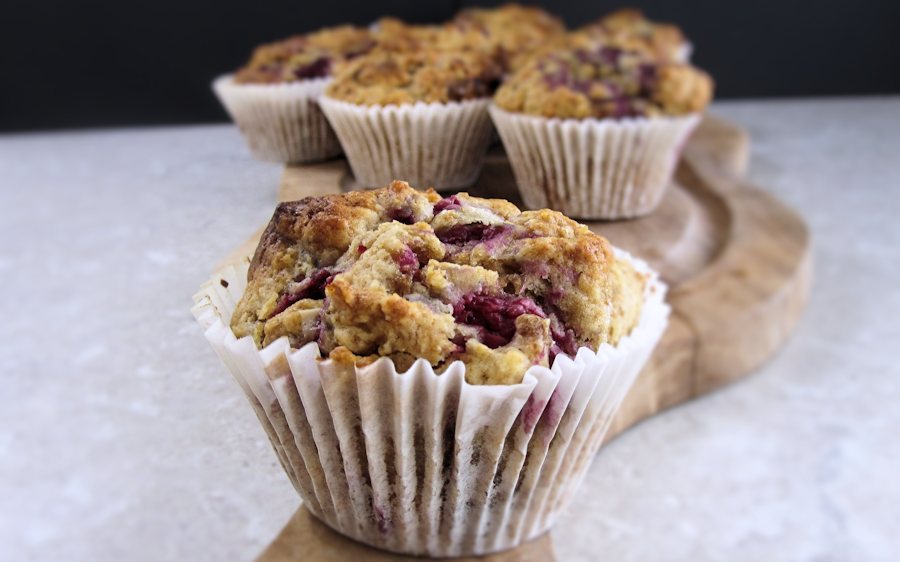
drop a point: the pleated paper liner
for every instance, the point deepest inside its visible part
(593, 168)
(422, 463)
(440, 145)
(280, 122)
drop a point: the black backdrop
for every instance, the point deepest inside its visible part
(102, 63)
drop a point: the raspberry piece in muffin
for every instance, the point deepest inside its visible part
(303, 57)
(602, 81)
(393, 78)
(469, 279)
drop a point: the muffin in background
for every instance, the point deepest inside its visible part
(273, 98)
(393, 34)
(514, 31)
(435, 374)
(419, 116)
(629, 29)
(596, 132)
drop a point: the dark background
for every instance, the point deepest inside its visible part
(103, 63)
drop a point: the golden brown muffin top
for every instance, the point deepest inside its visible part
(514, 31)
(600, 81)
(314, 55)
(628, 29)
(406, 274)
(428, 76)
(392, 34)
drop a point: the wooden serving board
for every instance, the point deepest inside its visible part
(737, 262)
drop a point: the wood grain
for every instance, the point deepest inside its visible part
(737, 262)
(733, 313)
(306, 538)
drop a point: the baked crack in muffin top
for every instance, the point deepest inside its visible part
(406, 274)
(428, 76)
(302, 57)
(602, 81)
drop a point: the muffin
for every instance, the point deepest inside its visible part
(596, 132)
(629, 29)
(409, 275)
(273, 98)
(419, 116)
(514, 31)
(434, 373)
(392, 34)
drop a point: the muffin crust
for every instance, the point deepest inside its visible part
(393, 78)
(406, 274)
(601, 81)
(513, 31)
(392, 34)
(303, 57)
(629, 29)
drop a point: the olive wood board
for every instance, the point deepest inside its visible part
(738, 266)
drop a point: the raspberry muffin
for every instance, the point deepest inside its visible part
(629, 29)
(392, 34)
(434, 373)
(273, 98)
(514, 31)
(420, 116)
(596, 132)
(405, 274)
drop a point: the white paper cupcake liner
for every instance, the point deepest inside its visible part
(440, 145)
(280, 122)
(593, 168)
(421, 463)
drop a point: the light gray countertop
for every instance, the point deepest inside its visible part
(122, 437)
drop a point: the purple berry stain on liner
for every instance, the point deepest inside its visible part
(383, 523)
(553, 412)
(531, 413)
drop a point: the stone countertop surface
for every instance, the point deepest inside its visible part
(123, 438)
